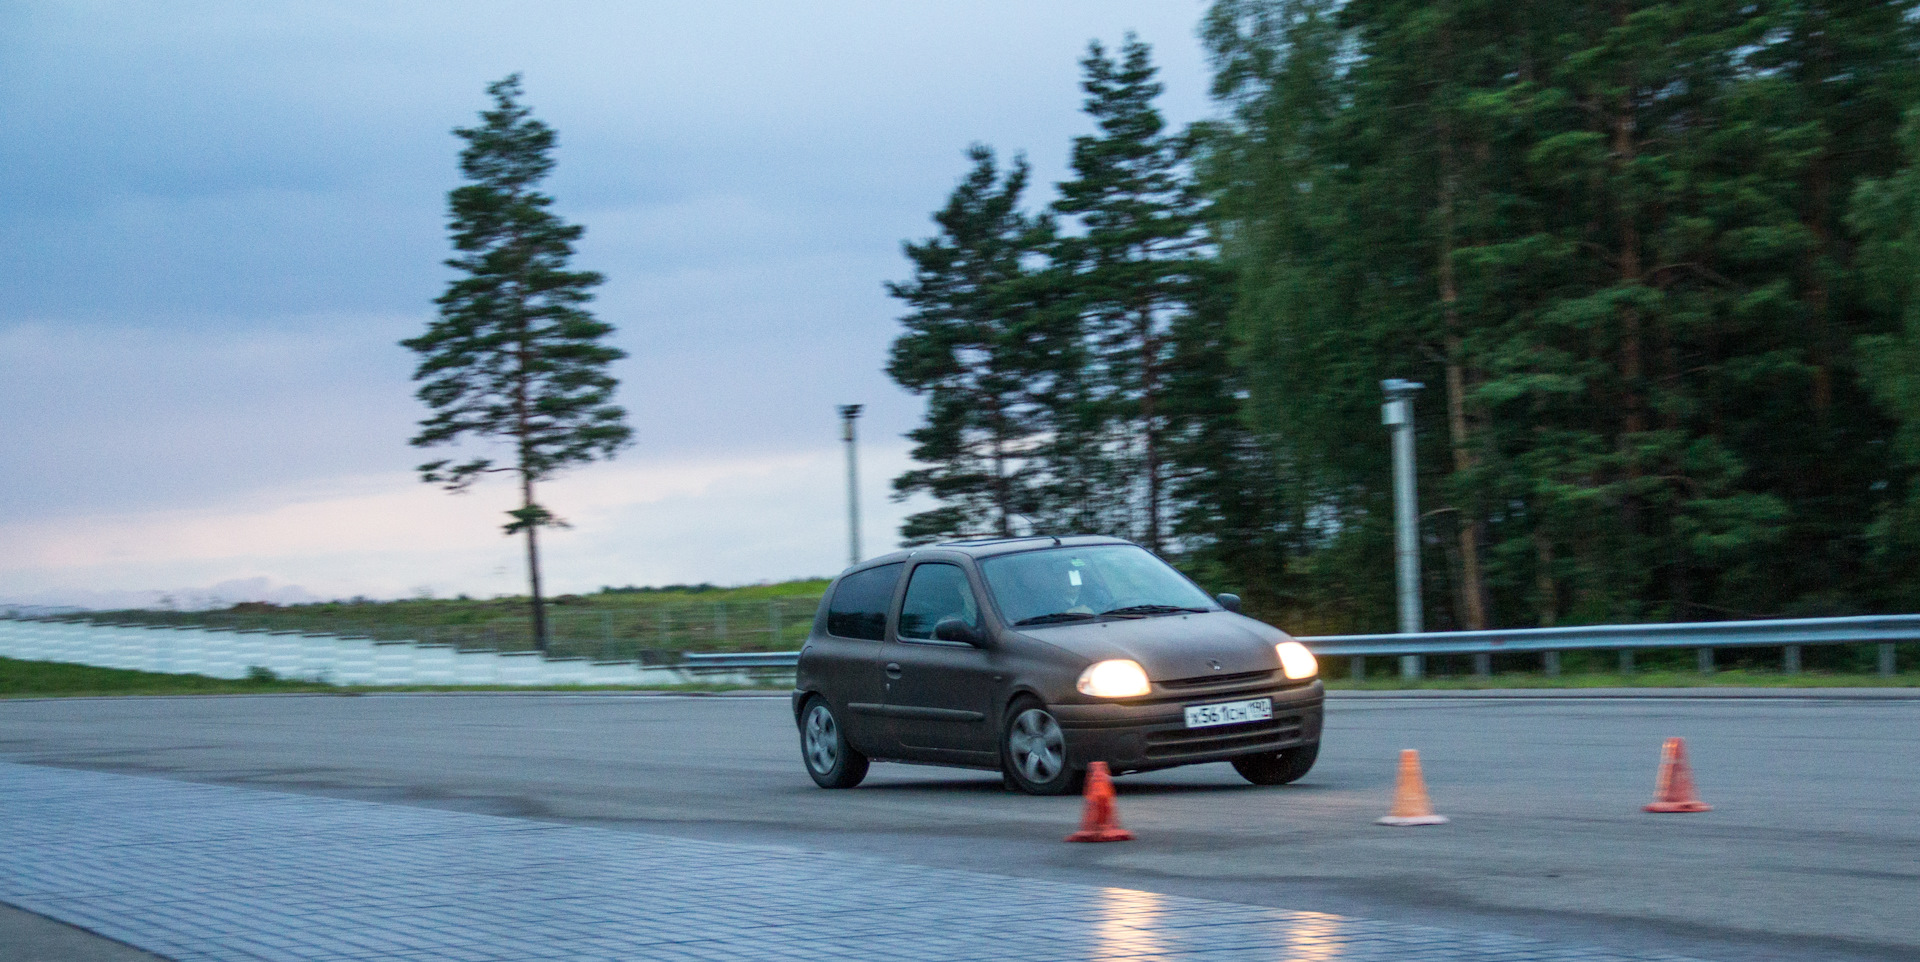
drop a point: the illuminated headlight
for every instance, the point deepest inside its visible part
(1117, 678)
(1296, 660)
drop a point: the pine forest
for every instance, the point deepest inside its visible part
(1656, 264)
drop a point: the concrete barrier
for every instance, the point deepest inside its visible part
(220, 653)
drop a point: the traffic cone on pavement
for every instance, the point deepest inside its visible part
(1099, 822)
(1673, 789)
(1410, 803)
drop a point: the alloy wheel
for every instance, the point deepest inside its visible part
(1039, 749)
(822, 739)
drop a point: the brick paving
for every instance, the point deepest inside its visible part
(204, 872)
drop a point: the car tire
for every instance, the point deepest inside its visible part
(824, 750)
(1277, 768)
(1033, 752)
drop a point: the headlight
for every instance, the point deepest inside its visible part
(1296, 660)
(1117, 678)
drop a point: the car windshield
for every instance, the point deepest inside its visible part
(1064, 585)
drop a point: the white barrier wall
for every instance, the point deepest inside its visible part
(219, 653)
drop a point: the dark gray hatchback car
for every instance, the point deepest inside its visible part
(1038, 656)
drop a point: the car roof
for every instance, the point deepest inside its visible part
(988, 547)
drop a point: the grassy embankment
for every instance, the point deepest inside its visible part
(609, 624)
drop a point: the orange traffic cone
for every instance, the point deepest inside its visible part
(1673, 789)
(1410, 804)
(1099, 823)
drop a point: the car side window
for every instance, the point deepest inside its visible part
(936, 592)
(859, 606)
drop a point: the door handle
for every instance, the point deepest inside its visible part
(893, 670)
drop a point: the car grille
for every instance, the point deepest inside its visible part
(1209, 681)
(1185, 690)
(1250, 736)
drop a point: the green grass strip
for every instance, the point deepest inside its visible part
(35, 679)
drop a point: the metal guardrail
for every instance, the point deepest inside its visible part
(1790, 634)
(729, 660)
(1704, 634)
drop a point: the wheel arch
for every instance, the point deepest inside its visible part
(1015, 695)
(801, 696)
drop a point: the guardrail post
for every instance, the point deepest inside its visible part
(1706, 661)
(1626, 661)
(1413, 667)
(1790, 659)
(1886, 659)
(1550, 662)
(1357, 668)
(1483, 666)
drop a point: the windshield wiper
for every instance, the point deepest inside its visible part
(1144, 610)
(1055, 618)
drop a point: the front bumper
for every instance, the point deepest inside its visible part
(1150, 733)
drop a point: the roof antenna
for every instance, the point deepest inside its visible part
(1056, 540)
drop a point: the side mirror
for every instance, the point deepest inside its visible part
(953, 629)
(1229, 602)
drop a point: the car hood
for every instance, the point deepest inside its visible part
(1173, 646)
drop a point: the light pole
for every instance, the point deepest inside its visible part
(848, 414)
(1397, 415)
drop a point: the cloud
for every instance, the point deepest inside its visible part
(219, 217)
(222, 595)
(143, 417)
(649, 522)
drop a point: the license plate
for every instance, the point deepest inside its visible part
(1229, 713)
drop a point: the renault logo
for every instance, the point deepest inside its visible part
(1214, 664)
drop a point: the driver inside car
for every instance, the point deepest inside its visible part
(1056, 588)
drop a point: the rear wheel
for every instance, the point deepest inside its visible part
(1277, 768)
(823, 745)
(1033, 752)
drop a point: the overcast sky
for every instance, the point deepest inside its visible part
(216, 220)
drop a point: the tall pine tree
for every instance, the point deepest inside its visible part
(514, 356)
(1138, 262)
(986, 345)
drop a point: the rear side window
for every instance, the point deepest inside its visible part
(859, 608)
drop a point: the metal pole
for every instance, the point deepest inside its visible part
(848, 414)
(1397, 415)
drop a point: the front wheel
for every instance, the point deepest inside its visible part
(1033, 752)
(830, 760)
(1277, 768)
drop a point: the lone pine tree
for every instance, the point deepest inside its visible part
(514, 356)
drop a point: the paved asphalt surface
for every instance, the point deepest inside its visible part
(1812, 851)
